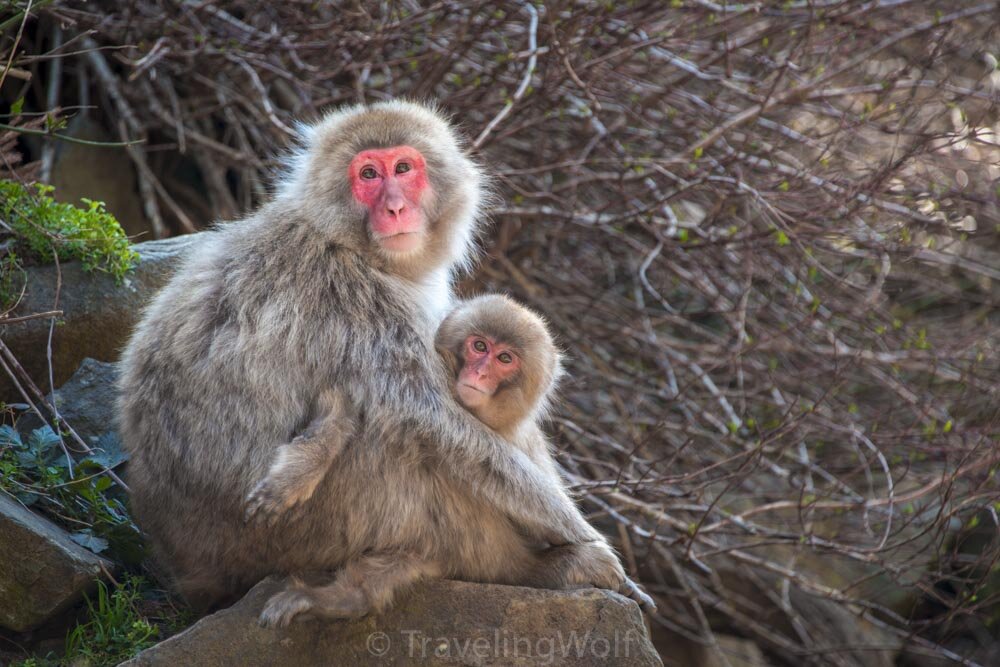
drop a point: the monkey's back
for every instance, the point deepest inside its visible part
(220, 371)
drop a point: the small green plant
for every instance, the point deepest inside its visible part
(36, 471)
(115, 630)
(44, 229)
(33, 662)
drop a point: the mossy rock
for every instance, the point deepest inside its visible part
(98, 312)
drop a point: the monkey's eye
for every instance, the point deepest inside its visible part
(479, 346)
(403, 167)
(369, 173)
(505, 358)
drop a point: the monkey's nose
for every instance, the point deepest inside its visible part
(395, 206)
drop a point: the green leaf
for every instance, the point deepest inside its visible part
(15, 108)
(44, 228)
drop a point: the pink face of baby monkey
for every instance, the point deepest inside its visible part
(487, 364)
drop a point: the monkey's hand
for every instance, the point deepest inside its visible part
(300, 465)
(597, 565)
(289, 482)
(270, 499)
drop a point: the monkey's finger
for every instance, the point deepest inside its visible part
(631, 590)
(282, 608)
(260, 508)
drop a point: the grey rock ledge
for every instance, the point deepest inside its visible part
(440, 623)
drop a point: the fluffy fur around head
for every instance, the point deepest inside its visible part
(529, 397)
(318, 174)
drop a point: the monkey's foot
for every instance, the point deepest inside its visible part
(597, 565)
(283, 607)
(333, 601)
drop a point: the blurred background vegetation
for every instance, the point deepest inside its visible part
(766, 233)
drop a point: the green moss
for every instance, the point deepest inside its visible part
(44, 229)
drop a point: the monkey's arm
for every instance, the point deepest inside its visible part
(532, 441)
(495, 469)
(507, 477)
(521, 479)
(572, 564)
(299, 465)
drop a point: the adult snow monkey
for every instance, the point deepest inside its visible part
(339, 282)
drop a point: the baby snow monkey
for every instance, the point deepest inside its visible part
(505, 367)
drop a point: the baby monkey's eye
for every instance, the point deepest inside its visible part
(403, 167)
(505, 358)
(479, 346)
(370, 173)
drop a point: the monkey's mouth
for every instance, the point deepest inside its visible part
(474, 388)
(402, 242)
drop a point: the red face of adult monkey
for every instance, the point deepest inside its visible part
(338, 284)
(392, 184)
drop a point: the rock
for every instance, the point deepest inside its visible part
(835, 629)
(98, 313)
(86, 401)
(42, 571)
(442, 623)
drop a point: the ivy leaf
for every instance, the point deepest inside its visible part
(42, 440)
(9, 437)
(86, 538)
(42, 448)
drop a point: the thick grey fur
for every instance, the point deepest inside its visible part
(269, 313)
